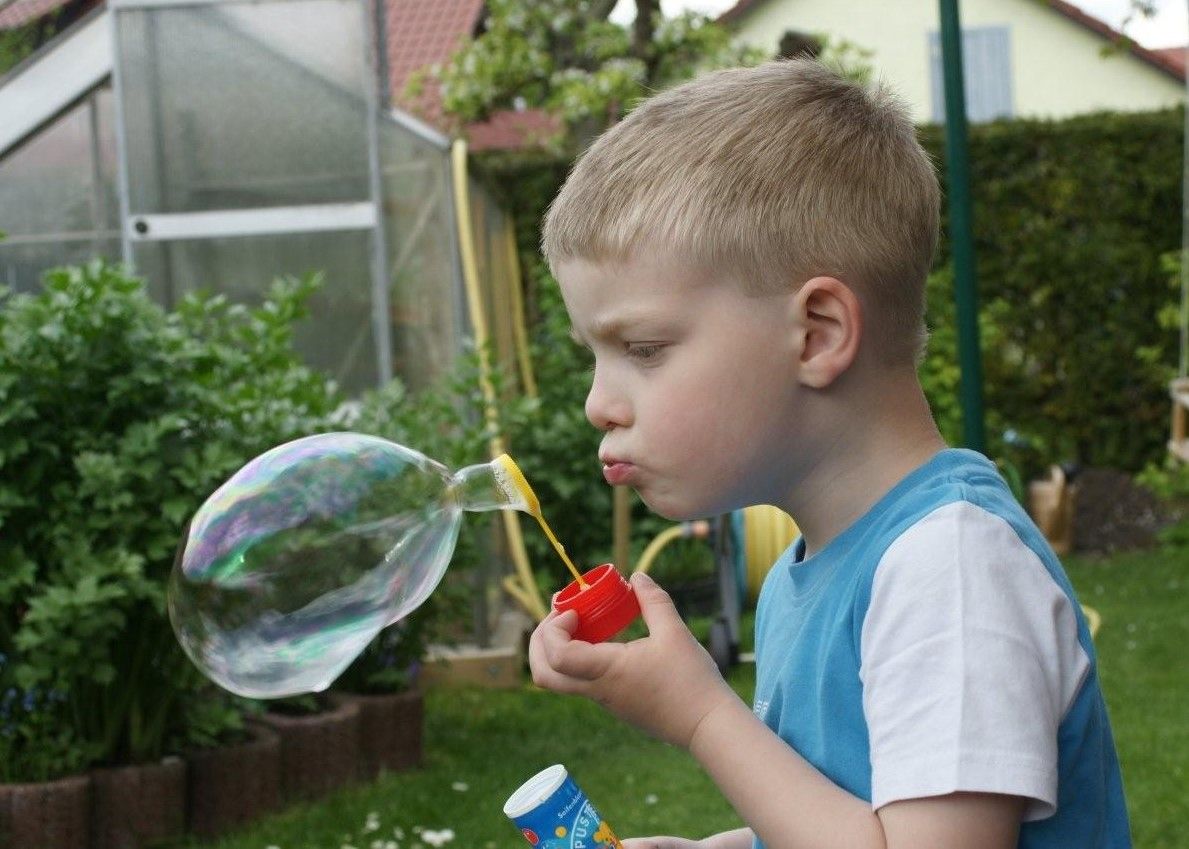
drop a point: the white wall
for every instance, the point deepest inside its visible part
(1057, 65)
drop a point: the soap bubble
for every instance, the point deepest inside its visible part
(292, 566)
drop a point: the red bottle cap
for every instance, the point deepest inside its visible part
(604, 608)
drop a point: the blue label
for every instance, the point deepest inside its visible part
(566, 820)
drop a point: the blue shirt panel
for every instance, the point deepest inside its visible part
(809, 624)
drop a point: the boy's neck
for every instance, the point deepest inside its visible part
(863, 460)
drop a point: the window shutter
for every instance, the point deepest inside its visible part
(986, 58)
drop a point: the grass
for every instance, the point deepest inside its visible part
(481, 744)
(1144, 601)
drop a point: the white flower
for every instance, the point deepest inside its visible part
(437, 838)
(372, 823)
(651, 799)
(398, 833)
(460, 786)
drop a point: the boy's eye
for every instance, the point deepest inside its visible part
(644, 350)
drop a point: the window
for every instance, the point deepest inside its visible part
(986, 57)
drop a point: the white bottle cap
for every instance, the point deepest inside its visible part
(535, 791)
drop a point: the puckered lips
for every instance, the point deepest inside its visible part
(617, 472)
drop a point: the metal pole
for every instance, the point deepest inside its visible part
(961, 229)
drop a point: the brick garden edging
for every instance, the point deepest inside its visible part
(132, 806)
(390, 730)
(213, 791)
(230, 786)
(319, 751)
(46, 815)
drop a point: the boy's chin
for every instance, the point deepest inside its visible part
(674, 511)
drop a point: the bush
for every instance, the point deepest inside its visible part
(116, 420)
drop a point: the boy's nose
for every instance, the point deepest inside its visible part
(605, 408)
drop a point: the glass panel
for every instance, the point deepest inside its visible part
(487, 222)
(336, 338)
(46, 184)
(233, 106)
(425, 294)
(22, 264)
(50, 205)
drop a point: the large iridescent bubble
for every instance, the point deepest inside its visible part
(293, 565)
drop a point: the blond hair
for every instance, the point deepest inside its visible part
(773, 174)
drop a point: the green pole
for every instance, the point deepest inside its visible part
(961, 230)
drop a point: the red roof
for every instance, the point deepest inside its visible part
(1156, 58)
(422, 33)
(1174, 56)
(21, 12)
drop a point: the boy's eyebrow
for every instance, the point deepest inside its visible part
(609, 326)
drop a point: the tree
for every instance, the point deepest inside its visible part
(569, 58)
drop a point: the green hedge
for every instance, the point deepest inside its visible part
(1071, 221)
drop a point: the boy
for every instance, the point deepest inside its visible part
(745, 255)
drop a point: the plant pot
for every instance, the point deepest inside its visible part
(319, 752)
(47, 814)
(1051, 504)
(390, 730)
(233, 785)
(133, 806)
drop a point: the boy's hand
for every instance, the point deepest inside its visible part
(664, 683)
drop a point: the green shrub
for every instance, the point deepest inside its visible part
(116, 420)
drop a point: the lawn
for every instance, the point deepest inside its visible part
(481, 744)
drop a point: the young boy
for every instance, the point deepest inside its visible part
(745, 255)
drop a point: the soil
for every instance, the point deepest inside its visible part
(1113, 513)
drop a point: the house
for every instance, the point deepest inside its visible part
(1022, 58)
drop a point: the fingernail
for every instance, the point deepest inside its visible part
(644, 579)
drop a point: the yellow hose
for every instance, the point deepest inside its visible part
(527, 593)
(527, 379)
(699, 529)
(1093, 619)
(767, 532)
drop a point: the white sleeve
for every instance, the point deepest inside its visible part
(969, 661)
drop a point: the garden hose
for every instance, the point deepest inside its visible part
(698, 529)
(526, 591)
(767, 531)
(1093, 619)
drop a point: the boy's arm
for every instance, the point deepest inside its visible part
(668, 685)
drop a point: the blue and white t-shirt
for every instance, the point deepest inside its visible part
(936, 646)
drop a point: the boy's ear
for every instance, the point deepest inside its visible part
(830, 320)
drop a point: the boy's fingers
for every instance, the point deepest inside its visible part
(572, 658)
(656, 606)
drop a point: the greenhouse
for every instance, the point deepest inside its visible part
(216, 145)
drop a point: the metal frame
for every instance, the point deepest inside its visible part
(164, 227)
(364, 215)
